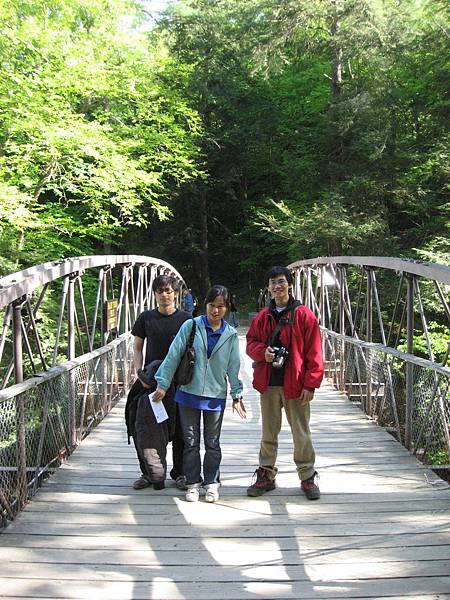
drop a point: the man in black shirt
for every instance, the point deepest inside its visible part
(156, 330)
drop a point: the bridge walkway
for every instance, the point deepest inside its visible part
(381, 528)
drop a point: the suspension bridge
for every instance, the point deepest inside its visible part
(73, 527)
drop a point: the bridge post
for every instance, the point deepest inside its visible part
(20, 403)
(409, 368)
(342, 273)
(71, 317)
(308, 288)
(104, 332)
(71, 353)
(369, 336)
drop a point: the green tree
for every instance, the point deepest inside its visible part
(92, 138)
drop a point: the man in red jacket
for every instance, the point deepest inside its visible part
(285, 344)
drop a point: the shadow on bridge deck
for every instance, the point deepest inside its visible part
(381, 528)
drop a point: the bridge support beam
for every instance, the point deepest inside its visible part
(21, 448)
(369, 334)
(409, 375)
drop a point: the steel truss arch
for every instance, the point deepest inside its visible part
(86, 319)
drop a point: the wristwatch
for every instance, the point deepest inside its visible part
(238, 399)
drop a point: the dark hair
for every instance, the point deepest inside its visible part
(218, 290)
(275, 271)
(163, 281)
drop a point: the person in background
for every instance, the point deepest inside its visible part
(217, 362)
(285, 344)
(156, 329)
(232, 315)
(188, 302)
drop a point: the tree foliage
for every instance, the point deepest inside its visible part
(94, 131)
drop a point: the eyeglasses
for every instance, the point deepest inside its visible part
(275, 282)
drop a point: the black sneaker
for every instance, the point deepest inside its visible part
(180, 482)
(310, 487)
(264, 483)
(141, 483)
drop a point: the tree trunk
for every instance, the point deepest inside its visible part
(336, 63)
(204, 279)
(336, 140)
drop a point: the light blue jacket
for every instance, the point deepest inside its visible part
(210, 374)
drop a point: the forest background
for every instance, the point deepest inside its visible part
(225, 136)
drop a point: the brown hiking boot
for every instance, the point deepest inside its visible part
(264, 483)
(310, 487)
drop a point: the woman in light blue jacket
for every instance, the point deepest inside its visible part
(217, 362)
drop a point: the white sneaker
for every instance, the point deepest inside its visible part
(192, 493)
(212, 492)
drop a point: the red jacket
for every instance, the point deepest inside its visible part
(304, 367)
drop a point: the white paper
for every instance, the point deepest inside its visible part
(158, 409)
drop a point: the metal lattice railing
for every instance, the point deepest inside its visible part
(404, 306)
(375, 376)
(43, 420)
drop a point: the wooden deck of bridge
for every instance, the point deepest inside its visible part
(381, 528)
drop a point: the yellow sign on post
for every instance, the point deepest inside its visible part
(110, 314)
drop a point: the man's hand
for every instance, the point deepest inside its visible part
(269, 354)
(306, 396)
(158, 394)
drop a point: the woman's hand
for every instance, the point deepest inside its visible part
(239, 407)
(158, 394)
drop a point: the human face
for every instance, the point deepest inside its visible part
(279, 288)
(215, 311)
(165, 298)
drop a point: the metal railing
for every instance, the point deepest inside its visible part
(51, 407)
(45, 418)
(375, 376)
(371, 311)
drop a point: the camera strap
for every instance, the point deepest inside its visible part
(279, 327)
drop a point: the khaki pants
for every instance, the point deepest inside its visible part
(272, 402)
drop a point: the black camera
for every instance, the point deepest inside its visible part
(281, 355)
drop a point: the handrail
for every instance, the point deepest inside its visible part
(405, 356)
(415, 267)
(20, 388)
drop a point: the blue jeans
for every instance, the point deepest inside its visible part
(212, 424)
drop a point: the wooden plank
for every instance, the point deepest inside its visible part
(223, 513)
(127, 494)
(161, 506)
(345, 463)
(217, 573)
(224, 557)
(219, 544)
(160, 588)
(399, 472)
(250, 530)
